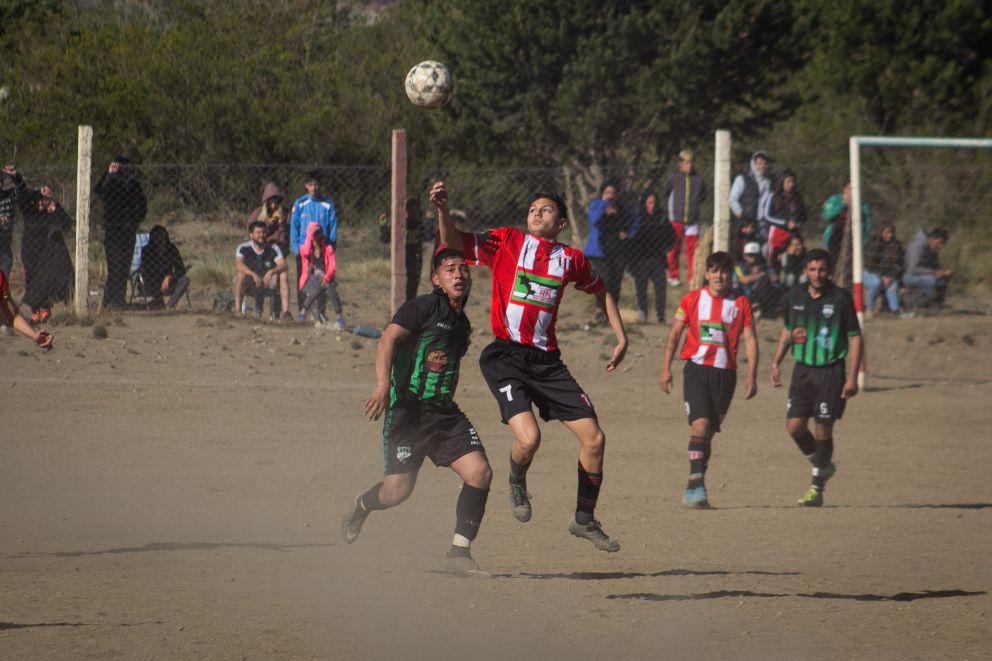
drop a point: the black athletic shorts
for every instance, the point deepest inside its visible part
(707, 392)
(519, 376)
(815, 392)
(413, 430)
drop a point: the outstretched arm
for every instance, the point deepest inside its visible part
(450, 236)
(378, 401)
(671, 346)
(608, 306)
(42, 338)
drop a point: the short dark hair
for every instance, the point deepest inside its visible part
(312, 175)
(255, 223)
(938, 233)
(817, 255)
(554, 197)
(443, 254)
(720, 260)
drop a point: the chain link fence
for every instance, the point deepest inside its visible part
(205, 211)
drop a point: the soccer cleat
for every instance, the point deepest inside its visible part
(520, 502)
(696, 498)
(594, 533)
(353, 520)
(45, 314)
(459, 561)
(813, 498)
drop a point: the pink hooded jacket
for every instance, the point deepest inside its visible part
(306, 250)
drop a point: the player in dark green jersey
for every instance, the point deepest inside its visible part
(416, 374)
(822, 329)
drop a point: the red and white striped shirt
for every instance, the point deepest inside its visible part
(714, 327)
(529, 277)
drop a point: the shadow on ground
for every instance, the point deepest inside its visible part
(156, 547)
(619, 575)
(723, 594)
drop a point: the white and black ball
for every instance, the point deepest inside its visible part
(430, 84)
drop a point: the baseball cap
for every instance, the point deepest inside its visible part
(752, 248)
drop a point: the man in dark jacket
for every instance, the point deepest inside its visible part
(749, 189)
(684, 193)
(124, 207)
(8, 205)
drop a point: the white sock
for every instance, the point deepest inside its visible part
(461, 541)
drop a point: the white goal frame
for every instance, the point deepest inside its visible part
(857, 251)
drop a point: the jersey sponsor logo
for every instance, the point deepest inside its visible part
(403, 453)
(799, 335)
(713, 334)
(828, 310)
(444, 325)
(824, 339)
(533, 289)
(436, 360)
(799, 308)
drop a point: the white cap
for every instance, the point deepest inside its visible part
(752, 248)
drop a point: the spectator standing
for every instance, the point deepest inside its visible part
(124, 207)
(274, 215)
(261, 272)
(48, 274)
(8, 206)
(836, 216)
(790, 271)
(614, 239)
(597, 208)
(317, 283)
(784, 215)
(162, 269)
(313, 207)
(684, 192)
(654, 237)
(924, 273)
(748, 191)
(883, 267)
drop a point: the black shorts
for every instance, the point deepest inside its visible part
(815, 392)
(413, 430)
(519, 376)
(707, 392)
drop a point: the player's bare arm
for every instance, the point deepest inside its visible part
(608, 306)
(751, 349)
(450, 236)
(378, 401)
(42, 338)
(783, 346)
(671, 346)
(851, 383)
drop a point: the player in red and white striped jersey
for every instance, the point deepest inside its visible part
(9, 314)
(523, 365)
(716, 319)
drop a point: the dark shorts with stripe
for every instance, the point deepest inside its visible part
(413, 430)
(815, 392)
(520, 376)
(707, 392)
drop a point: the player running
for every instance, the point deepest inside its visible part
(822, 327)
(9, 313)
(416, 373)
(716, 319)
(523, 365)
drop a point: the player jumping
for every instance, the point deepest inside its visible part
(9, 313)
(716, 319)
(822, 327)
(417, 373)
(523, 365)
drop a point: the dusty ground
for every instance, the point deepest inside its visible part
(174, 492)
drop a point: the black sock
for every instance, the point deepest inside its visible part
(821, 460)
(699, 454)
(588, 494)
(469, 511)
(518, 472)
(806, 444)
(370, 499)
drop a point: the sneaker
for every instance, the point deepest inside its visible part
(674, 282)
(642, 317)
(287, 316)
(813, 498)
(35, 317)
(341, 321)
(352, 523)
(459, 561)
(696, 498)
(594, 533)
(520, 502)
(45, 314)
(301, 316)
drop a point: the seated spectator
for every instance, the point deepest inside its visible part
(162, 269)
(790, 269)
(784, 215)
(883, 268)
(261, 272)
(48, 272)
(923, 271)
(317, 277)
(755, 281)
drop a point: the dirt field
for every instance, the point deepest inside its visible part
(174, 492)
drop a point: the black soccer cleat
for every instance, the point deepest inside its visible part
(520, 502)
(351, 525)
(459, 561)
(594, 533)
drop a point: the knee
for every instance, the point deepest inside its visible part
(393, 496)
(530, 439)
(596, 443)
(797, 429)
(481, 477)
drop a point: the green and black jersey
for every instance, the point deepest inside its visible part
(426, 364)
(820, 326)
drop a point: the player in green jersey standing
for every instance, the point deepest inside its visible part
(416, 374)
(822, 328)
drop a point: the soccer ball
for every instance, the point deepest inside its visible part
(429, 84)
